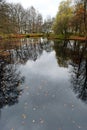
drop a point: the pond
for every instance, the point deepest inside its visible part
(43, 85)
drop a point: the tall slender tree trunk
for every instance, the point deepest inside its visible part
(85, 15)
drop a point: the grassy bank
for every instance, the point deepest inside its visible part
(48, 35)
(6, 36)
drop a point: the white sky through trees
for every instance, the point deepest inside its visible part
(45, 7)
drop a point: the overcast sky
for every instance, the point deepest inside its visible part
(45, 7)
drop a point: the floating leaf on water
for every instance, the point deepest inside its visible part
(76, 124)
(40, 87)
(34, 109)
(41, 121)
(24, 116)
(72, 105)
(79, 127)
(27, 87)
(12, 129)
(21, 92)
(65, 105)
(33, 121)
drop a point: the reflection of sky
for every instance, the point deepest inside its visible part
(47, 66)
(47, 100)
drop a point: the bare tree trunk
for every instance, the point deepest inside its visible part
(85, 15)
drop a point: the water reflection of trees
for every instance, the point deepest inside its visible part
(75, 54)
(62, 53)
(79, 71)
(10, 79)
(12, 54)
(30, 51)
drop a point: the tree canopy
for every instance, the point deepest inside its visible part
(16, 19)
(71, 18)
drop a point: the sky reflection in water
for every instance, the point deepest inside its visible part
(41, 87)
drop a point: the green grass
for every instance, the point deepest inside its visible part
(48, 35)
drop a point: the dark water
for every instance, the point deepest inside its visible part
(43, 85)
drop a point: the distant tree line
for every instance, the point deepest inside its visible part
(71, 17)
(15, 19)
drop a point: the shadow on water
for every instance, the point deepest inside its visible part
(73, 54)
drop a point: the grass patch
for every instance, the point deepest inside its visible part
(48, 35)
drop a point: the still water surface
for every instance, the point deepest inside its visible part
(43, 85)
